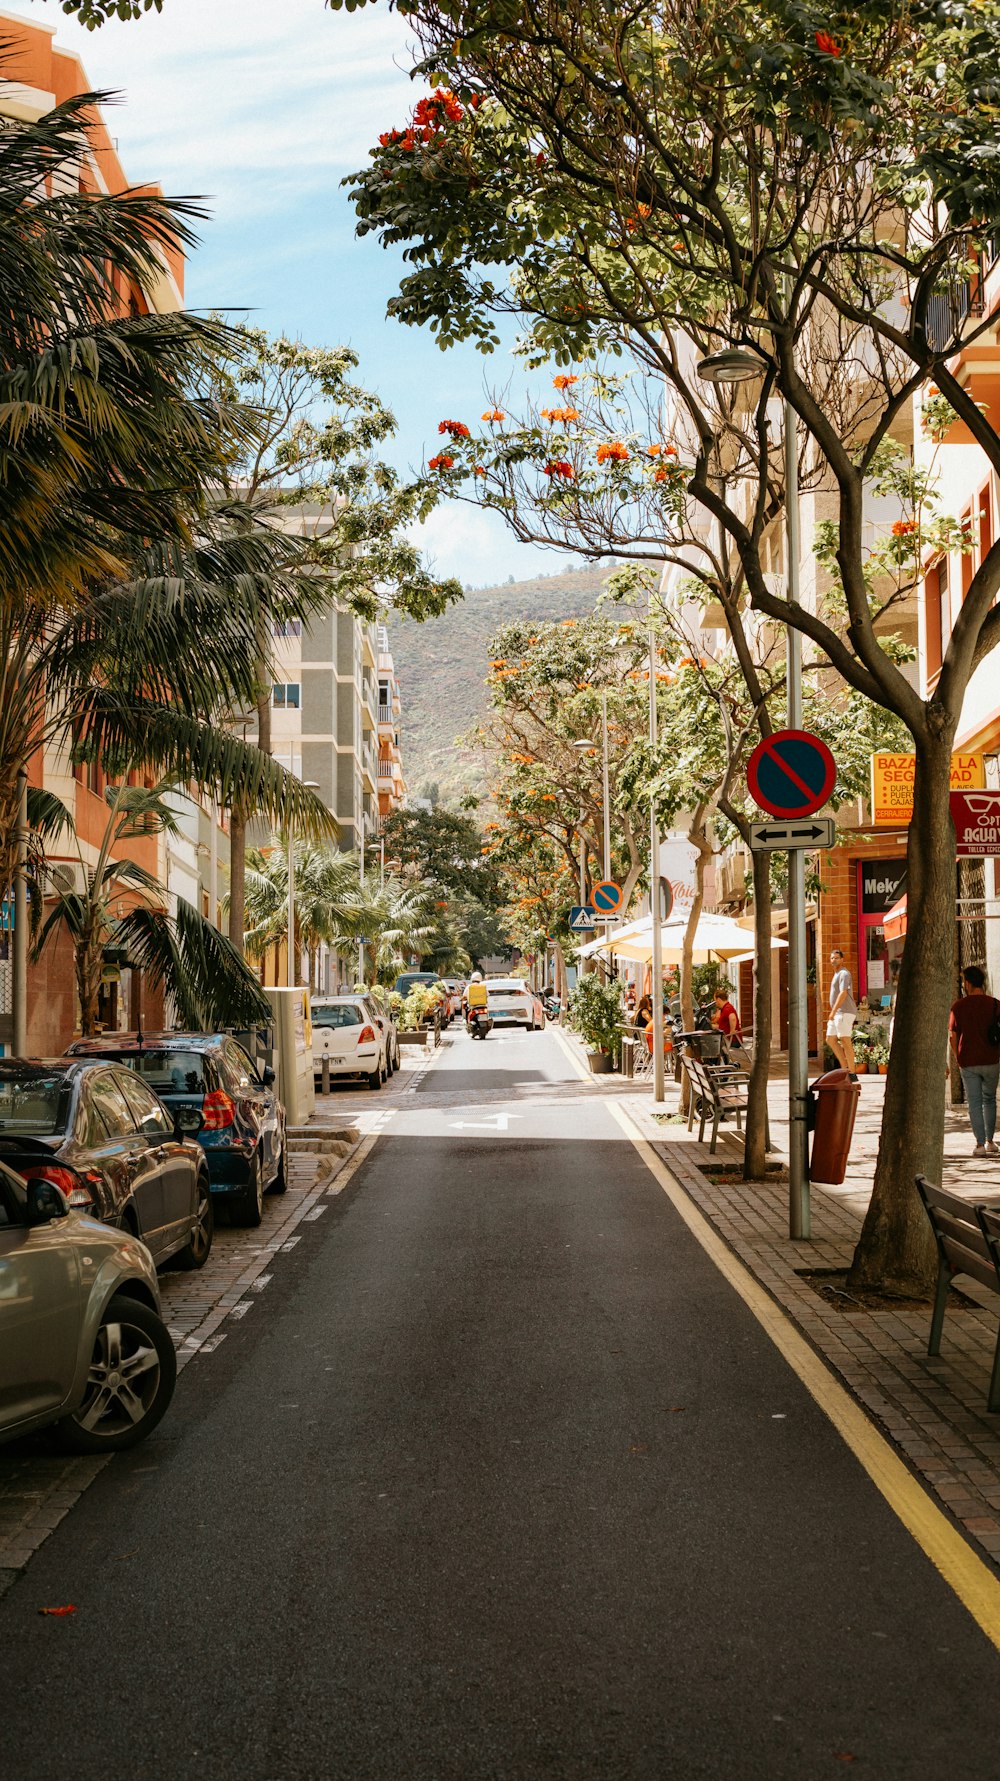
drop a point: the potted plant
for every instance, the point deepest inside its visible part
(878, 1056)
(595, 1011)
(862, 1050)
(414, 1011)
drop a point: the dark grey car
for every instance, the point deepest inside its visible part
(134, 1168)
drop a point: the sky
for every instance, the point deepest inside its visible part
(261, 107)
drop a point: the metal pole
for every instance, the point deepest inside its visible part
(19, 937)
(654, 893)
(291, 972)
(583, 862)
(607, 796)
(798, 1012)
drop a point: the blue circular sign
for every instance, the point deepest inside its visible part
(791, 773)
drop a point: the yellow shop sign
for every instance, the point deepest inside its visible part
(892, 784)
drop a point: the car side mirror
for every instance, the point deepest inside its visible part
(268, 1076)
(45, 1202)
(188, 1122)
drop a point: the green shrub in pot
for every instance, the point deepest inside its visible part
(595, 1012)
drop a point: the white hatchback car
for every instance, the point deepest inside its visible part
(511, 1003)
(346, 1031)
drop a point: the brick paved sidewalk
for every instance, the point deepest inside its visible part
(932, 1410)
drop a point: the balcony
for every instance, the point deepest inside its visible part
(387, 769)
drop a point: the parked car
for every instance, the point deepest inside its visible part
(378, 1001)
(135, 1164)
(346, 1030)
(512, 1003)
(405, 981)
(82, 1342)
(242, 1120)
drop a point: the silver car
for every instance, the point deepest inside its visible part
(82, 1343)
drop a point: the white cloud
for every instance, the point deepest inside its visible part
(254, 103)
(477, 548)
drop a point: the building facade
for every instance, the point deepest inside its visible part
(39, 76)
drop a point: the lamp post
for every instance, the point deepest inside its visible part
(18, 920)
(311, 785)
(734, 366)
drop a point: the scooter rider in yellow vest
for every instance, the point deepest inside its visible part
(476, 995)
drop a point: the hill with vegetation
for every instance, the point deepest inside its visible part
(442, 665)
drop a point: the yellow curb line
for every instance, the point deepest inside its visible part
(971, 1580)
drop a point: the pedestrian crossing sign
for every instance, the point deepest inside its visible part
(581, 918)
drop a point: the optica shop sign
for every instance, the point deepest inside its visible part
(892, 784)
(976, 816)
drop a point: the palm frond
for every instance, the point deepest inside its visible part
(212, 986)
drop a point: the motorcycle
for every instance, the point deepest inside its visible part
(552, 1007)
(478, 1023)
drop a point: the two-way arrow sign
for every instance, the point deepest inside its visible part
(784, 837)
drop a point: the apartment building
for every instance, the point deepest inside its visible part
(970, 493)
(40, 75)
(391, 785)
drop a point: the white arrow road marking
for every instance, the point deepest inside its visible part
(498, 1123)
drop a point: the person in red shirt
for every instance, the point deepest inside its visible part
(726, 1018)
(978, 1057)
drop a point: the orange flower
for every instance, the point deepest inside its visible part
(455, 429)
(558, 467)
(562, 382)
(662, 475)
(653, 451)
(826, 45)
(615, 451)
(903, 528)
(480, 470)
(443, 462)
(494, 414)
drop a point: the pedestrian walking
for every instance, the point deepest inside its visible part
(974, 1037)
(843, 1013)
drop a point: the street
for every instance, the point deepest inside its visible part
(501, 1479)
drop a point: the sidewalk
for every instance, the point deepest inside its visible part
(934, 1411)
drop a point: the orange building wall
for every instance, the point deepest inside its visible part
(837, 919)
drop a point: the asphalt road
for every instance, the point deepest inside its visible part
(499, 1480)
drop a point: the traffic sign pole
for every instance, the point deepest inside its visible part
(656, 964)
(799, 1222)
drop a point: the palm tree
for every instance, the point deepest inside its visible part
(329, 903)
(207, 978)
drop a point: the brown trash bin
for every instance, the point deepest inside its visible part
(833, 1104)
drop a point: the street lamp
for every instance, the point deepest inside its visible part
(311, 785)
(588, 742)
(739, 365)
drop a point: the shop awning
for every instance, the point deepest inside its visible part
(894, 925)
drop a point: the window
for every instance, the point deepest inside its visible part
(170, 1072)
(287, 627)
(241, 1069)
(285, 695)
(34, 1102)
(337, 1014)
(149, 1116)
(112, 1106)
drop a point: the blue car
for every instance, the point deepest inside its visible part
(243, 1122)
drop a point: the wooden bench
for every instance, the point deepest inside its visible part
(716, 1089)
(967, 1235)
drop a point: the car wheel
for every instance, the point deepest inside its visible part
(198, 1247)
(280, 1182)
(130, 1381)
(375, 1078)
(250, 1204)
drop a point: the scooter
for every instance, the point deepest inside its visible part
(552, 1007)
(478, 1023)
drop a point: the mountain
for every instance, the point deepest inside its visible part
(442, 665)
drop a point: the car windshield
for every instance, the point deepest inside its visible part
(169, 1072)
(506, 989)
(35, 1103)
(336, 1014)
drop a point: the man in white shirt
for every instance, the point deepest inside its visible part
(843, 1013)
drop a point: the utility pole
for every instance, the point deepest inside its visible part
(607, 797)
(656, 963)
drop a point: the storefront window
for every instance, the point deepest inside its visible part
(881, 883)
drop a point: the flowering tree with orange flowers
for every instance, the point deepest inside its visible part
(820, 192)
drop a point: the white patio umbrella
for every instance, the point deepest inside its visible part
(716, 936)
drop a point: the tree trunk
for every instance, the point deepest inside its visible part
(88, 984)
(237, 878)
(895, 1252)
(755, 1142)
(698, 836)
